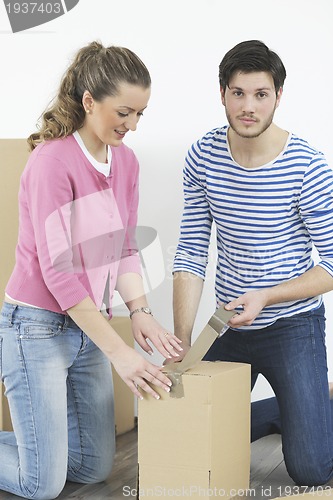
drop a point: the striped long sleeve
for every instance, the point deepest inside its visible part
(267, 219)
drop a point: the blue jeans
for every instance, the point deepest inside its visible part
(291, 355)
(60, 393)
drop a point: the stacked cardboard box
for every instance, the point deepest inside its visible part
(123, 396)
(13, 156)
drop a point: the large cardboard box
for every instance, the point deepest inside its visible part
(13, 157)
(123, 396)
(198, 445)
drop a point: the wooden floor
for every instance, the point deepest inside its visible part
(269, 478)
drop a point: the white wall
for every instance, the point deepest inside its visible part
(182, 43)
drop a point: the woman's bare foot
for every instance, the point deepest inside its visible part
(330, 386)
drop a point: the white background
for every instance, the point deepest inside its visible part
(182, 42)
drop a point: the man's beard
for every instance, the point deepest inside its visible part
(249, 134)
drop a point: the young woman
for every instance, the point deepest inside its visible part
(78, 204)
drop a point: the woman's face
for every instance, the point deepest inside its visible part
(109, 120)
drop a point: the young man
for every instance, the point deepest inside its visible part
(270, 196)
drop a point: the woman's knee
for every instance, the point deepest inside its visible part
(44, 491)
(91, 469)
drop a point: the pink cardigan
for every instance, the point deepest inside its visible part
(76, 226)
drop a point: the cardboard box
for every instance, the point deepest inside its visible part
(123, 396)
(13, 156)
(198, 445)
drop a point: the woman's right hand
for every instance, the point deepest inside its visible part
(138, 373)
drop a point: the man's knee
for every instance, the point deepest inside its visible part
(309, 474)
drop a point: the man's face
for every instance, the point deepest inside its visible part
(250, 102)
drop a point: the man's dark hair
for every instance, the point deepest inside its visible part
(250, 56)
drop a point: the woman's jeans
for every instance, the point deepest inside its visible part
(60, 394)
(291, 355)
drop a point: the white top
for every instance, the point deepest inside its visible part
(103, 168)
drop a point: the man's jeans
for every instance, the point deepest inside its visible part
(291, 355)
(60, 393)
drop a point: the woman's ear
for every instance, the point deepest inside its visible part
(87, 102)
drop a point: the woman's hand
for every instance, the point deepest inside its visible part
(138, 373)
(145, 327)
(179, 358)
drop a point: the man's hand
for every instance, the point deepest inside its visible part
(252, 302)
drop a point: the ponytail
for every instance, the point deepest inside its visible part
(97, 69)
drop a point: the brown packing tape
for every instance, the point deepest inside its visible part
(216, 326)
(220, 319)
(194, 355)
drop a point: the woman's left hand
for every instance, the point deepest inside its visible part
(145, 328)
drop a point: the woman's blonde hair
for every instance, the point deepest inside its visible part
(99, 70)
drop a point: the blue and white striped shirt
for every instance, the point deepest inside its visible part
(267, 219)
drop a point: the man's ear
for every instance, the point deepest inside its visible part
(222, 92)
(278, 97)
